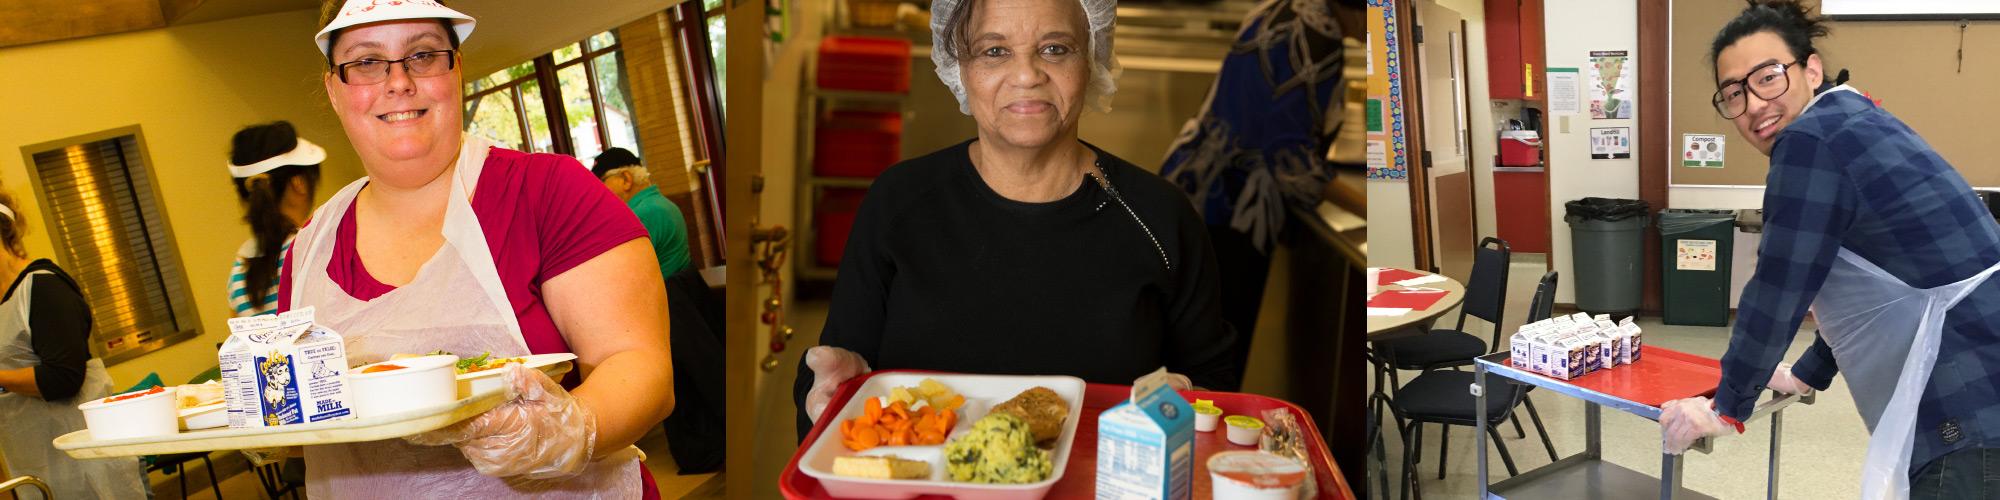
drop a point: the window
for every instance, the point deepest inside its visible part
(718, 36)
(589, 94)
(110, 234)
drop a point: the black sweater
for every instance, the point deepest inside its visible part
(942, 273)
(59, 322)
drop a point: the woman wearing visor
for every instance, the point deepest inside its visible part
(276, 173)
(1023, 250)
(453, 244)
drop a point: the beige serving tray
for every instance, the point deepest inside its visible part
(356, 430)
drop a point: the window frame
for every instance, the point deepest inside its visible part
(546, 71)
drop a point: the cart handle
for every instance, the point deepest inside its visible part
(1777, 403)
(11, 484)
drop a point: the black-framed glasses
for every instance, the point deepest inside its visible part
(373, 71)
(1768, 81)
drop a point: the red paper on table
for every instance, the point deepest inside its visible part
(1401, 299)
(1390, 275)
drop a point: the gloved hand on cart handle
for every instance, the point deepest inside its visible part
(831, 366)
(541, 432)
(1684, 421)
(1783, 381)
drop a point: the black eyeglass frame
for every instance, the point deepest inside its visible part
(1784, 70)
(450, 62)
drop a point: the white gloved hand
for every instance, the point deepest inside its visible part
(1783, 381)
(831, 366)
(1683, 421)
(541, 432)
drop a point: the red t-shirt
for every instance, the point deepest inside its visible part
(542, 214)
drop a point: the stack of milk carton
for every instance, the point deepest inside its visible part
(1567, 347)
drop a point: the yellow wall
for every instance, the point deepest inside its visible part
(189, 88)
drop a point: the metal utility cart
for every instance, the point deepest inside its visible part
(1640, 388)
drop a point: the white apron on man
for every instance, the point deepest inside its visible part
(1884, 335)
(455, 303)
(32, 425)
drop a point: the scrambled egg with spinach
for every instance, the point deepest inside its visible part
(999, 449)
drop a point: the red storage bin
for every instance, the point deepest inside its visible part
(857, 143)
(864, 63)
(1520, 150)
(832, 220)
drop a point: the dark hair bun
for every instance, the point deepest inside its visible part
(257, 143)
(1792, 20)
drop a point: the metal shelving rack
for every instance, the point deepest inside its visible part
(815, 102)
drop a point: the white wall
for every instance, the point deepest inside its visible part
(1576, 27)
(1390, 242)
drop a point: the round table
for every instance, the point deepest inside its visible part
(1387, 327)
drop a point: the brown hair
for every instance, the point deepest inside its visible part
(11, 228)
(1792, 20)
(329, 9)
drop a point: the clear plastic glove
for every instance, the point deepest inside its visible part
(1683, 421)
(541, 432)
(1783, 381)
(831, 366)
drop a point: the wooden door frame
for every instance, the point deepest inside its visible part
(1656, 143)
(1413, 134)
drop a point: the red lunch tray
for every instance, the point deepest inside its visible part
(1079, 479)
(1405, 299)
(1660, 375)
(1390, 275)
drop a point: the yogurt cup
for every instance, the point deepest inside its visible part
(420, 382)
(132, 416)
(1254, 475)
(1244, 429)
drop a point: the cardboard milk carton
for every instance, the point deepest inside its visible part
(279, 370)
(1621, 341)
(1145, 446)
(1638, 340)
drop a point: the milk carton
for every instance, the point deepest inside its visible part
(1621, 341)
(1145, 446)
(279, 370)
(1580, 317)
(1638, 338)
(1601, 317)
(1519, 353)
(1605, 358)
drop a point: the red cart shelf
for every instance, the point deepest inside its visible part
(1079, 480)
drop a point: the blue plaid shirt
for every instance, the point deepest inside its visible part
(1848, 174)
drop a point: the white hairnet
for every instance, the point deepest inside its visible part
(1099, 16)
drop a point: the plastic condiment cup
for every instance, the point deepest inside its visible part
(422, 382)
(1206, 417)
(143, 416)
(1244, 429)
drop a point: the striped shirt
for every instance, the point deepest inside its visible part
(239, 273)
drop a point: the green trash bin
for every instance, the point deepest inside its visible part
(1694, 265)
(1606, 235)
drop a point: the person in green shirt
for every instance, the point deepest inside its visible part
(626, 177)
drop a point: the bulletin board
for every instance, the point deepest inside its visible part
(1912, 67)
(1387, 158)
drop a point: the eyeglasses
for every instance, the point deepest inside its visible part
(373, 71)
(1767, 81)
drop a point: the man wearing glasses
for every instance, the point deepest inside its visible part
(1889, 247)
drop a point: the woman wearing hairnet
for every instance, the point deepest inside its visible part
(1023, 250)
(46, 370)
(452, 243)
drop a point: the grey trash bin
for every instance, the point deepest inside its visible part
(1606, 240)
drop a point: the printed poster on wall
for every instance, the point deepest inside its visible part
(1563, 91)
(1610, 143)
(1695, 255)
(1610, 85)
(1701, 150)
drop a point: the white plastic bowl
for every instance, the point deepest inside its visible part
(423, 382)
(143, 416)
(204, 417)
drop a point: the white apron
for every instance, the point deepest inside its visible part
(32, 424)
(455, 303)
(1884, 334)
